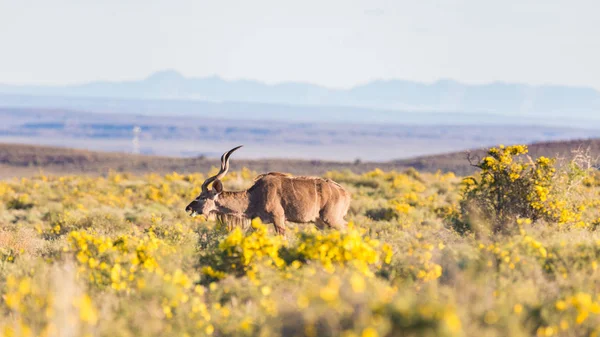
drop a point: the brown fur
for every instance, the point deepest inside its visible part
(278, 197)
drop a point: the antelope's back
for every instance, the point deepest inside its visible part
(304, 197)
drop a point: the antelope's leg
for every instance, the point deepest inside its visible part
(320, 224)
(279, 222)
(329, 217)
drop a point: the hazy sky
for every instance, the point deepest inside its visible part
(333, 43)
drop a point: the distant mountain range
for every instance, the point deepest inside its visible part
(444, 96)
(381, 120)
(193, 136)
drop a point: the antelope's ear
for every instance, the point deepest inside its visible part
(217, 186)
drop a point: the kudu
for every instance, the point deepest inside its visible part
(275, 198)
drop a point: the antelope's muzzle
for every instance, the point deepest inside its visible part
(191, 210)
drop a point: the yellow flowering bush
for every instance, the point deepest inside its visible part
(22, 201)
(418, 264)
(240, 254)
(351, 304)
(509, 187)
(115, 262)
(340, 248)
(577, 314)
(37, 310)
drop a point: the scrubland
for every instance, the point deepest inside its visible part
(510, 251)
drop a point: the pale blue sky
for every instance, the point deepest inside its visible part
(332, 43)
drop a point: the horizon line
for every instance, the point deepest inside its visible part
(284, 82)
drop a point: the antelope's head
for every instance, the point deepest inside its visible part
(206, 202)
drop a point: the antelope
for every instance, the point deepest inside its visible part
(275, 198)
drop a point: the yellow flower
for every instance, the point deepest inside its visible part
(452, 321)
(87, 311)
(330, 292)
(518, 308)
(369, 332)
(265, 290)
(302, 302)
(25, 286)
(93, 262)
(209, 329)
(357, 283)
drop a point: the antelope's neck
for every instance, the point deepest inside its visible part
(233, 203)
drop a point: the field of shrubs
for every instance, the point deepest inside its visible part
(510, 251)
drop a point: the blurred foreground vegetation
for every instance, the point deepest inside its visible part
(510, 251)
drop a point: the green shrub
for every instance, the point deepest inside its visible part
(20, 202)
(382, 214)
